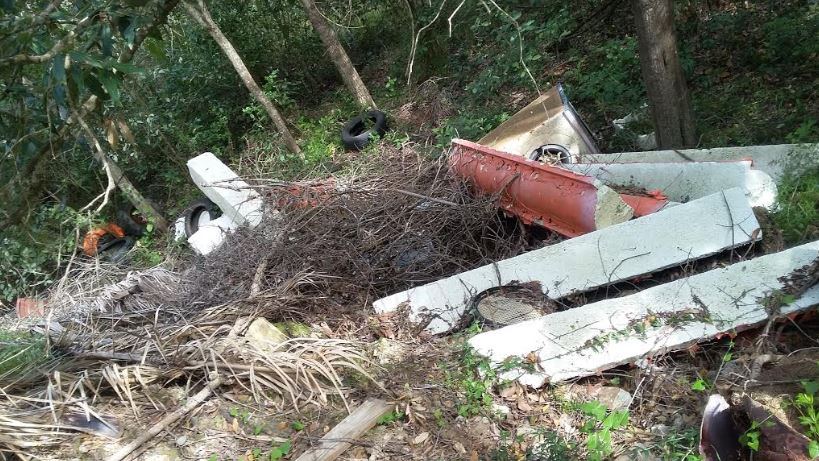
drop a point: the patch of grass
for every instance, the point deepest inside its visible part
(472, 377)
(798, 213)
(21, 349)
(390, 418)
(681, 446)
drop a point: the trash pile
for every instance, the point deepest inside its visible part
(532, 207)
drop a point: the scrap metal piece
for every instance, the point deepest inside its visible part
(551, 197)
(548, 119)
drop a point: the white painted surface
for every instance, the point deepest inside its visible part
(730, 297)
(211, 235)
(179, 228)
(683, 182)
(770, 159)
(660, 240)
(219, 183)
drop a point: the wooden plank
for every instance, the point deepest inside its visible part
(588, 339)
(356, 424)
(668, 238)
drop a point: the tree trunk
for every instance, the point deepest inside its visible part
(665, 83)
(121, 181)
(345, 67)
(200, 13)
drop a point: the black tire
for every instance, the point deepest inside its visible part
(116, 251)
(204, 205)
(128, 222)
(355, 135)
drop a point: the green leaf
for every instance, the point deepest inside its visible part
(58, 68)
(111, 84)
(285, 447)
(213, 457)
(106, 39)
(127, 28)
(698, 385)
(126, 68)
(813, 449)
(156, 49)
(811, 387)
(297, 425)
(596, 409)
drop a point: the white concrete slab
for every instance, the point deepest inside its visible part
(683, 182)
(677, 234)
(770, 159)
(219, 183)
(598, 336)
(211, 235)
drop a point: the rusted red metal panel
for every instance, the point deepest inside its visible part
(539, 194)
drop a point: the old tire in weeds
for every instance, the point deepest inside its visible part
(201, 212)
(356, 133)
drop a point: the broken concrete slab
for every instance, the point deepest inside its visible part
(235, 198)
(598, 336)
(672, 237)
(682, 182)
(211, 235)
(770, 159)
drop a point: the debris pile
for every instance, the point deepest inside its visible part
(532, 209)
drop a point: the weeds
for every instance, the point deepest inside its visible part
(798, 213)
(19, 349)
(807, 405)
(598, 428)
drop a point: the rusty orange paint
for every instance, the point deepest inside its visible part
(548, 196)
(92, 237)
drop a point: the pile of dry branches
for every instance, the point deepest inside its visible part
(325, 252)
(397, 222)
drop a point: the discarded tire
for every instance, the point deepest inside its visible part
(116, 250)
(201, 212)
(357, 132)
(132, 224)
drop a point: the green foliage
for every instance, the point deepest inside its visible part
(608, 80)
(297, 425)
(798, 211)
(390, 418)
(29, 256)
(598, 428)
(20, 350)
(750, 438)
(807, 405)
(472, 377)
(681, 446)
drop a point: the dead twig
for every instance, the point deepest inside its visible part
(169, 419)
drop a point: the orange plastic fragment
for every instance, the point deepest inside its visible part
(92, 237)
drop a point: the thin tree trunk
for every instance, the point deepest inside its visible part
(345, 67)
(663, 76)
(200, 13)
(118, 178)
